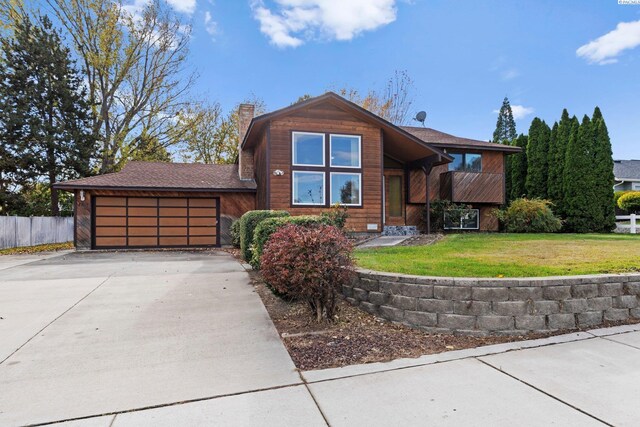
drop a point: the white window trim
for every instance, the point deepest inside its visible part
(466, 228)
(359, 150)
(293, 183)
(359, 188)
(293, 149)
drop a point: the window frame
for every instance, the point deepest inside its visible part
(326, 169)
(464, 161)
(359, 175)
(309, 172)
(293, 149)
(331, 165)
(461, 227)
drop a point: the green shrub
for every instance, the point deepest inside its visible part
(630, 201)
(437, 211)
(529, 216)
(248, 223)
(617, 195)
(267, 227)
(309, 264)
(336, 216)
(234, 231)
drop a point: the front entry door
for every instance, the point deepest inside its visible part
(394, 197)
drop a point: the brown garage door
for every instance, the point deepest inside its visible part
(155, 222)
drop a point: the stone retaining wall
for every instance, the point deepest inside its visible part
(496, 306)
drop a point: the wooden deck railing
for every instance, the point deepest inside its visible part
(472, 187)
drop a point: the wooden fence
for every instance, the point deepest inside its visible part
(623, 227)
(16, 231)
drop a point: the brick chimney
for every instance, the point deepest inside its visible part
(245, 157)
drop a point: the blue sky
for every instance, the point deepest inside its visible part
(463, 55)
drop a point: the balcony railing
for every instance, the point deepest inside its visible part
(472, 187)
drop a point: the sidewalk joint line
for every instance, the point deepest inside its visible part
(313, 397)
(58, 317)
(618, 342)
(545, 393)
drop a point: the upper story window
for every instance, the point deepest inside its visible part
(318, 182)
(466, 162)
(308, 149)
(345, 151)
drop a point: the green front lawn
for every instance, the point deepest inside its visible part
(510, 255)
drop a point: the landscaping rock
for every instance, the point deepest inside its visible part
(574, 305)
(511, 308)
(489, 294)
(435, 306)
(590, 318)
(600, 303)
(420, 318)
(530, 323)
(625, 301)
(495, 323)
(584, 290)
(456, 321)
(525, 293)
(558, 292)
(457, 293)
(610, 289)
(546, 307)
(615, 314)
(561, 321)
(474, 308)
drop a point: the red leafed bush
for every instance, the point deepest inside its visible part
(309, 264)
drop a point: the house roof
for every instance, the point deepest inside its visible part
(166, 176)
(445, 140)
(393, 134)
(625, 170)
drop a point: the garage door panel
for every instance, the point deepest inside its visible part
(173, 241)
(137, 211)
(121, 222)
(111, 201)
(172, 202)
(111, 231)
(203, 240)
(110, 211)
(143, 201)
(111, 242)
(111, 220)
(202, 221)
(142, 221)
(197, 212)
(173, 222)
(173, 212)
(203, 203)
(202, 231)
(143, 241)
(173, 231)
(143, 231)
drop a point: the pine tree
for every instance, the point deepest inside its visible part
(582, 213)
(45, 116)
(537, 161)
(519, 169)
(603, 172)
(505, 132)
(557, 158)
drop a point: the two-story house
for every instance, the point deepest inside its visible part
(303, 159)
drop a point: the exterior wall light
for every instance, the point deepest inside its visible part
(278, 172)
(82, 195)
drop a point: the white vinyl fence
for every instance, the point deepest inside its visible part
(18, 231)
(627, 224)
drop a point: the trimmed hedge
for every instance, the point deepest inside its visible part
(234, 231)
(630, 201)
(268, 226)
(248, 223)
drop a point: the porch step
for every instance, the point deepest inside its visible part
(400, 230)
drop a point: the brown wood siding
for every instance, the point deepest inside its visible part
(260, 170)
(328, 119)
(232, 206)
(417, 186)
(488, 221)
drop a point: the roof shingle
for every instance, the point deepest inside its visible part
(441, 139)
(184, 176)
(626, 169)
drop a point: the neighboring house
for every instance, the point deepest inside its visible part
(627, 175)
(303, 159)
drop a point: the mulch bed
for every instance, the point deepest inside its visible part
(358, 337)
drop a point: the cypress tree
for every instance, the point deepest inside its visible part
(603, 172)
(557, 159)
(582, 213)
(537, 161)
(519, 168)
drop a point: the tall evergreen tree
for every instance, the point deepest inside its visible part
(603, 171)
(557, 158)
(505, 132)
(583, 213)
(45, 116)
(519, 168)
(537, 161)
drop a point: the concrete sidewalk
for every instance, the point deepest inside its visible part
(580, 379)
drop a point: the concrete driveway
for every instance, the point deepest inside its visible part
(85, 334)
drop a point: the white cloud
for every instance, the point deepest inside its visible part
(510, 74)
(183, 6)
(519, 111)
(295, 21)
(210, 25)
(606, 48)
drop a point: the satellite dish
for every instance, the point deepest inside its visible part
(421, 117)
